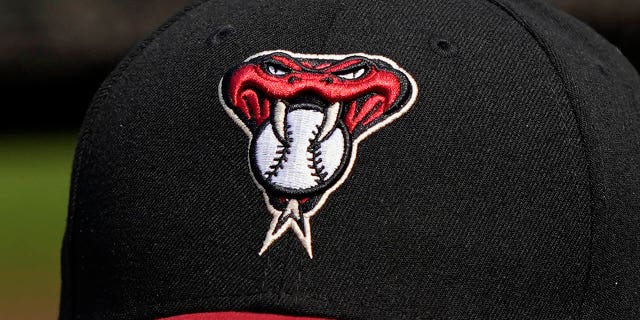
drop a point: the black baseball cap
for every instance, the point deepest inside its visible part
(360, 160)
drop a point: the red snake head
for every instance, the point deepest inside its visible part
(365, 90)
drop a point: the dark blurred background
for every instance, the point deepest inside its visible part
(53, 57)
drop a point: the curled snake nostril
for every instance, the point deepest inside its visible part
(327, 80)
(293, 79)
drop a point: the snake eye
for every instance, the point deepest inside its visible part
(352, 74)
(276, 69)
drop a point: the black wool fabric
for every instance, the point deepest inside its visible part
(511, 189)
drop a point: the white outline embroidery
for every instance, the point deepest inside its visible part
(305, 237)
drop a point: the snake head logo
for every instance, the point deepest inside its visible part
(305, 115)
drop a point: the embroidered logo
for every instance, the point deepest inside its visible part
(305, 115)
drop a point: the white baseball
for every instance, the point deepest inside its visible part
(299, 167)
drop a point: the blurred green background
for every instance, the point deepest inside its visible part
(53, 57)
(34, 178)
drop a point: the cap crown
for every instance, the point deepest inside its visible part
(509, 190)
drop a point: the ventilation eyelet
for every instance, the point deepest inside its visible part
(221, 34)
(444, 47)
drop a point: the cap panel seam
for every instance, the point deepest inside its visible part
(84, 142)
(572, 99)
